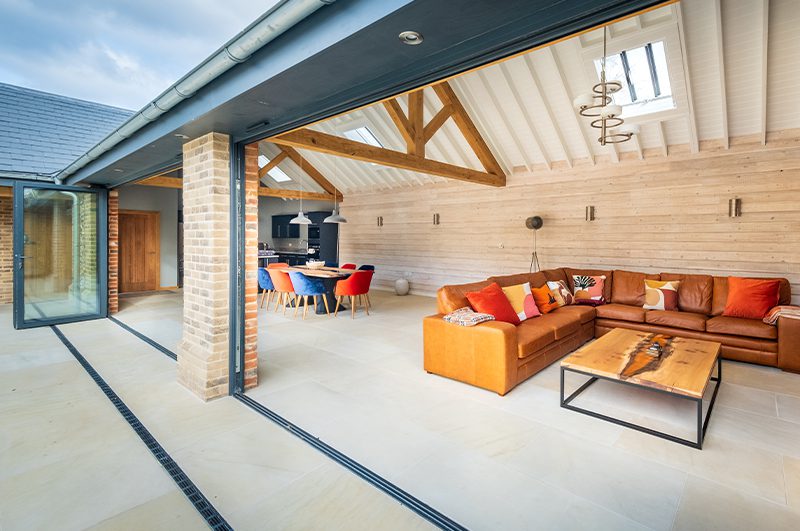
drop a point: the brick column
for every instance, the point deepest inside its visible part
(6, 246)
(251, 265)
(203, 350)
(113, 251)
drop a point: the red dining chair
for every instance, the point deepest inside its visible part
(348, 266)
(353, 286)
(283, 286)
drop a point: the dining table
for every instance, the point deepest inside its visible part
(329, 277)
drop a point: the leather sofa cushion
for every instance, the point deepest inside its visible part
(569, 272)
(554, 275)
(584, 313)
(535, 279)
(563, 324)
(621, 312)
(694, 292)
(720, 296)
(451, 298)
(741, 327)
(532, 336)
(687, 320)
(628, 287)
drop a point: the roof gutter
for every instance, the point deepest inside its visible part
(269, 26)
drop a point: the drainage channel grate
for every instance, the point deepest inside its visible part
(209, 512)
(418, 506)
(157, 346)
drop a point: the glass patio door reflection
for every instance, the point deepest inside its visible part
(60, 253)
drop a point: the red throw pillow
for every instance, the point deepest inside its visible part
(493, 301)
(545, 300)
(751, 298)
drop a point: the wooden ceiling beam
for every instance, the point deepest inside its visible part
(294, 194)
(415, 119)
(310, 170)
(277, 159)
(437, 122)
(162, 182)
(400, 121)
(471, 134)
(335, 145)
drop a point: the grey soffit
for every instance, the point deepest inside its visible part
(42, 133)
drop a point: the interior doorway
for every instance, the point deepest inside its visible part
(139, 250)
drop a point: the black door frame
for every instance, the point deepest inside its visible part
(18, 246)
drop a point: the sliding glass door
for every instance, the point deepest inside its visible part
(60, 254)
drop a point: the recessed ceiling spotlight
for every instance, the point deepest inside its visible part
(178, 135)
(118, 170)
(412, 38)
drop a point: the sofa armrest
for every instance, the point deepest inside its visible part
(484, 355)
(789, 344)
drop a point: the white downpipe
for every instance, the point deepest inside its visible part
(272, 24)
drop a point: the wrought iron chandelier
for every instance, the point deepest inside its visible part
(598, 104)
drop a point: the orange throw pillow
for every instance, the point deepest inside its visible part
(493, 301)
(751, 298)
(545, 300)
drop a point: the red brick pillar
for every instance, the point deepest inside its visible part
(251, 265)
(113, 252)
(6, 246)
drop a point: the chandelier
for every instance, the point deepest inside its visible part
(598, 105)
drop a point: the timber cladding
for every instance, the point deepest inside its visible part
(652, 215)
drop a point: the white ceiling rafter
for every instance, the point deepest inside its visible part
(553, 53)
(721, 62)
(764, 79)
(662, 138)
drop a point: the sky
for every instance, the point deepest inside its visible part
(118, 52)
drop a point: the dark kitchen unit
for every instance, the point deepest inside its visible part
(320, 239)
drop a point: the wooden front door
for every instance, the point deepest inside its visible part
(139, 250)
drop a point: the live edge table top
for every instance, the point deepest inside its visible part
(683, 368)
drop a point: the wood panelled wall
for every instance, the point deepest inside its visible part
(653, 214)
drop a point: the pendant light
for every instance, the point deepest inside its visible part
(301, 218)
(335, 217)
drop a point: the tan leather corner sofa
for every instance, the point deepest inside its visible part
(498, 356)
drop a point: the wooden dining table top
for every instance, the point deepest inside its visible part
(320, 272)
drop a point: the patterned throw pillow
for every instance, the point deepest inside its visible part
(545, 300)
(467, 317)
(521, 300)
(661, 295)
(589, 289)
(561, 292)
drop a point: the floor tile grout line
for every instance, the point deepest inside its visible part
(144, 338)
(212, 517)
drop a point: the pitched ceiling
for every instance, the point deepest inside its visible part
(733, 68)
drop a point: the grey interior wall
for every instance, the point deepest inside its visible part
(165, 201)
(275, 206)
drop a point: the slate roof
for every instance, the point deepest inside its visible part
(41, 133)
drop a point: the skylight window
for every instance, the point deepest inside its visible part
(277, 174)
(364, 135)
(644, 76)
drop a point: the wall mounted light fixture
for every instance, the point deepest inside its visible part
(734, 207)
(380, 221)
(590, 213)
(436, 219)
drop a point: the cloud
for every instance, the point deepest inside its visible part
(121, 53)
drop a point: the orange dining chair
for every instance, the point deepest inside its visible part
(353, 286)
(348, 266)
(283, 287)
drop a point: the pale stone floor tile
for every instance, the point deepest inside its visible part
(329, 499)
(768, 433)
(171, 512)
(791, 471)
(763, 378)
(789, 407)
(747, 398)
(709, 505)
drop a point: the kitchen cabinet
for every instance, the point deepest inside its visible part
(281, 228)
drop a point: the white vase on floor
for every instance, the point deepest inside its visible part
(401, 286)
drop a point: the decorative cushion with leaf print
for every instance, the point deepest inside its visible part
(589, 289)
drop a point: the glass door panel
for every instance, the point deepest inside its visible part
(59, 248)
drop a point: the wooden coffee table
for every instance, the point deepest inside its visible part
(684, 369)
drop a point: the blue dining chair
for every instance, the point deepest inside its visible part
(265, 283)
(305, 287)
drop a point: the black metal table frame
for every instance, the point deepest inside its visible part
(702, 423)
